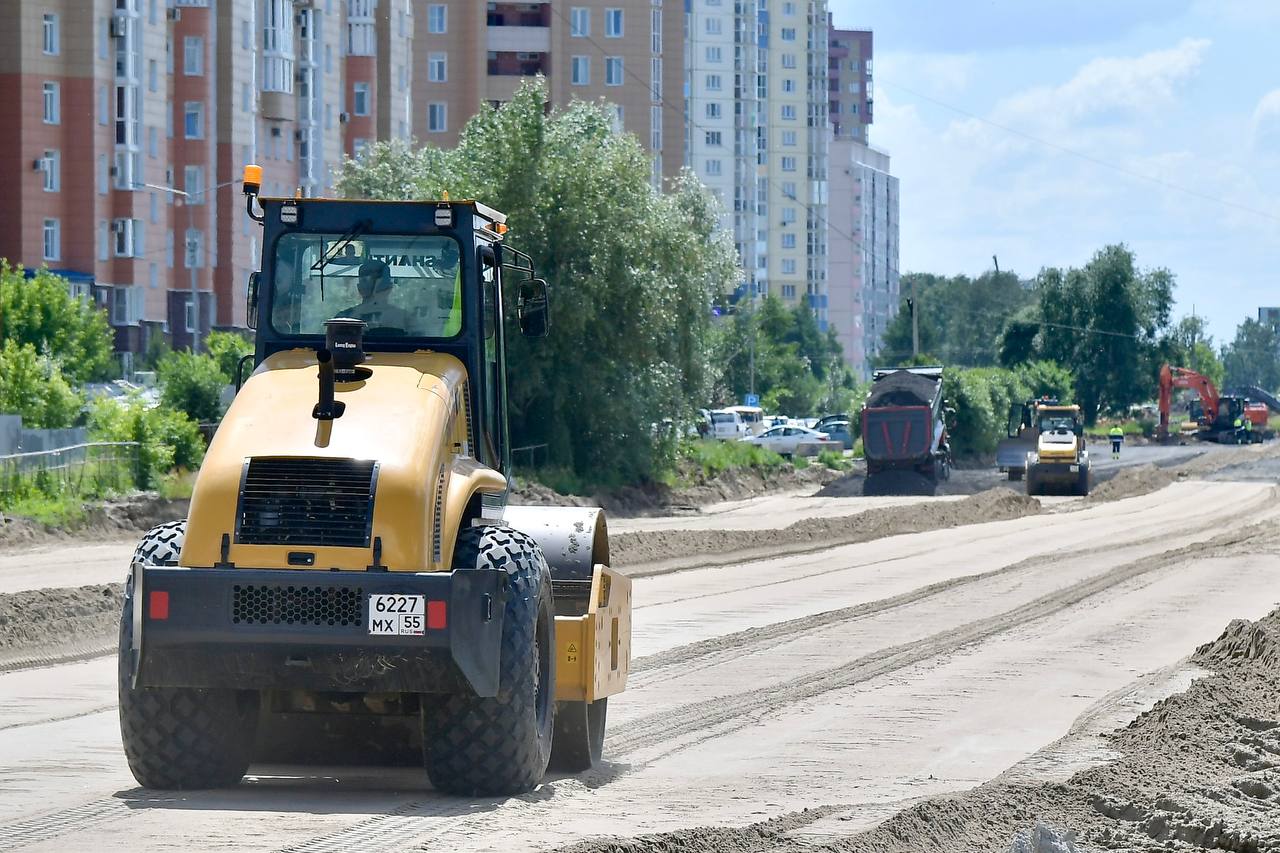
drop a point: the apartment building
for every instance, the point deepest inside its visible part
(626, 52)
(129, 122)
(792, 145)
(850, 86)
(864, 294)
(723, 114)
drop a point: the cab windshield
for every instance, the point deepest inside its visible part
(1053, 423)
(401, 286)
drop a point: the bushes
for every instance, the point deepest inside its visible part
(166, 438)
(714, 457)
(982, 398)
(192, 384)
(226, 349)
(33, 386)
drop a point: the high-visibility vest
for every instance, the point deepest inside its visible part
(1238, 423)
(1116, 432)
(453, 324)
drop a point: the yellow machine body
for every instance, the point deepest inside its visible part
(594, 650)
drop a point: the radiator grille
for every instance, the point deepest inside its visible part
(294, 501)
(297, 605)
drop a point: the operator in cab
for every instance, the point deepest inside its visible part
(376, 308)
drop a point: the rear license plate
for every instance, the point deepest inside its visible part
(396, 615)
(1075, 469)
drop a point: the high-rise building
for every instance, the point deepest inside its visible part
(723, 113)
(1269, 316)
(849, 76)
(864, 249)
(792, 147)
(627, 52)
(129, 122)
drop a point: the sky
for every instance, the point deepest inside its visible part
(1041, 130)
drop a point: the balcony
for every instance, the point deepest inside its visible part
(519, 15)
(518, 64)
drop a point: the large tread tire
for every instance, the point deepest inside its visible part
(579, 736)
(1015, 475)
(179, 738)
(1082, 485)
(498, 746)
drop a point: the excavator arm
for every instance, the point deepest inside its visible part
(1182, 377)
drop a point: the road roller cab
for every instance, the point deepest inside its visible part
(350, 554)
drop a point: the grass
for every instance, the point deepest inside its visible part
(178, 484)
(715, 457)
(65, 511)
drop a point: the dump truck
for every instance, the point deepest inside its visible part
(1060, 459)
(904, 432)
(351, 562)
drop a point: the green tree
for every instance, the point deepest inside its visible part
(32, 385)
(192, 384)
(1103, 322)
(632, 273)
(226, 349)
(41, 311)
(1253, 356)
(1188, 344)
(960, 318)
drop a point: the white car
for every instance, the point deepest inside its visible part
(727, 425)
(788, 440)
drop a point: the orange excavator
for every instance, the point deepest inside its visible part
(1219, 416)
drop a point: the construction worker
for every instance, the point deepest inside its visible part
(1248, 430)
(1238, 425)
(1117, 439)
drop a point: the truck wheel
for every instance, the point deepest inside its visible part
(1015, 474)
(180, 737)
(579, 735)
(1082, 484)
(1033, 485)
(495, 746)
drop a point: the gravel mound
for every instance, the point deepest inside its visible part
(668, 550)
(1132, 482)
(124, 518)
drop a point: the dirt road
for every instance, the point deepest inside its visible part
(866, 676)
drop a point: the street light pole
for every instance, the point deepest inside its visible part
(189, 246)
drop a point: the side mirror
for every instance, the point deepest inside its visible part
(251, 301)
(246, 359)
(532, 308)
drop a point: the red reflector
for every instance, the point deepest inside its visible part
(437, 615)
(159, 604)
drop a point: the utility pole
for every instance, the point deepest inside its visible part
(915, 322)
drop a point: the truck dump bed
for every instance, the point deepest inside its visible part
(897, 433)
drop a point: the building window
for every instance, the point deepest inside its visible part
(713, 54)
(788, 33)
(788, 215)
(579, 22)
(613, 23)
(712, 26)
(788, 164)
(713, 110)
(153, 76)
(125, 229)
(437, 117)
(789, 268)
(788, 112)
(788, 138)
(581, 71)
(788, 85)
(193, 120)
(52, 104)
(713, 82)
(788, 60)
(104, 240)
(789, 189)
(277, 47)
(788, 9)
(613, 71)
(52, 240)
(438, 67)
(713, 138)
(789, 290)
(360, 99)
(788, 241)
(437, 18)
(51, 34)
(189, 314)
(193, 184)
(713, 168)
(51, 165)
(193, 56)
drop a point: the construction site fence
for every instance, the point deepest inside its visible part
(89, 469)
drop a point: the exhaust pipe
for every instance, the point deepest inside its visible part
(328, 408)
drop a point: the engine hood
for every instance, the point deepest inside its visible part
(406, 422)
(1056, 444)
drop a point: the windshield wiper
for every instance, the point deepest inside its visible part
(344, 241)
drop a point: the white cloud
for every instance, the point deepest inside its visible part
(941, 74)
(1266, 124)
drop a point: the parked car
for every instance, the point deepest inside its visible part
(727, 425)
(839, 431)
(752, 418)
(821, 423)
(790, 440)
